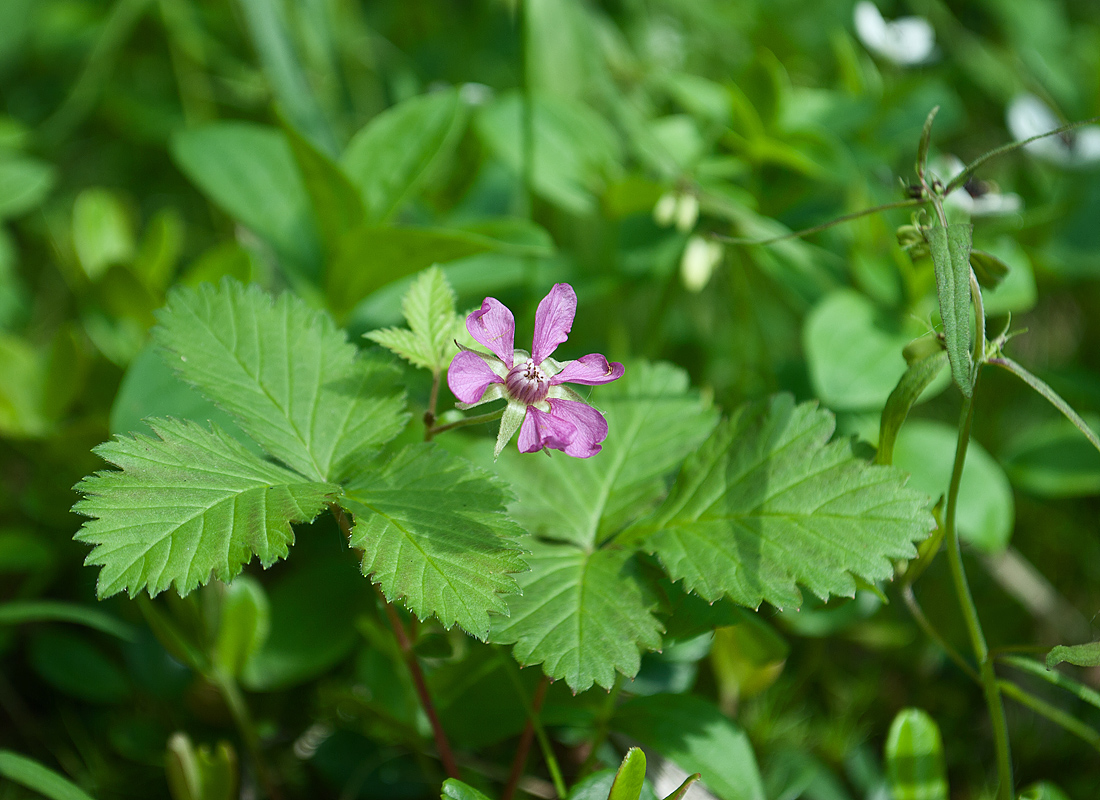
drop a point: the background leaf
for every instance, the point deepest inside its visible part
(698, 738)
(396, 152)
(29, 773)
(914, 757)
(433, 534)
(767, 502)
(216, 505)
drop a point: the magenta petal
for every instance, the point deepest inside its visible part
(590, 425)
(494, 326)
(469, 376)
(553, 320)
(591, 370)
(541, 430)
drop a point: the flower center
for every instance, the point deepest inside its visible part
(527, 383)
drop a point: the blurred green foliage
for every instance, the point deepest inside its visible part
(338, 147)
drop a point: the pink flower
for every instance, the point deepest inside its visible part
(546, 413)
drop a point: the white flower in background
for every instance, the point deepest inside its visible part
(906, 41)
(682, 209)
(700, 258)
(1029, 116)
(977, 198)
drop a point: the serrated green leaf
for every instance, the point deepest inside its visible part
(28, 772)
(186, 505)
(917, 378)
(286, 373)
(654, 420)
(914, 757)
(950, 248)
(698, 737)
(396, 152)
(1081, 655)
(583, 615)
(433, 532)
(630, 777)
(429, 308)
(768, 502)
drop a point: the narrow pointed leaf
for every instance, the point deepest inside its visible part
(683, 788)
(1081, 655)
(914, 758)
(925, 141)
(286, 373)
(1052, 397)
(950, 249)
(34, 776)
(768, 502)
(584, 615)
(916, 379)
(186, 506)
(1054, 677)
(433, 534)
(454, 789)
(988, 269)
(631, 776)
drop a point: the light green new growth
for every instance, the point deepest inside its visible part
(768, 502)
(286, 373)
(190, 504)
(429, 309)
(914, 757)
(583, 615)
(432, 530)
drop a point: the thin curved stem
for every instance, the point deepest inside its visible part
(926, 626)
(519, 763)
(970, 612)
(462, 423)
(1053, 713)
(823, 226)
(238, 709)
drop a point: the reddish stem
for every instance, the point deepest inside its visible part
(520, 761)
(405, 644)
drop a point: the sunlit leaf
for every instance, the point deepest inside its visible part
(434, 536)
(286, 373)
(768, 502)
(186, 505)
(584, 615)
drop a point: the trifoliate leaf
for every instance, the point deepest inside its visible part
(583, 615)
(768, 502)
(432, 530)
(429, 308)
(654, 421)
(186, 505)
(286, 373)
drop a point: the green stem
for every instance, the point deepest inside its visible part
(462, 423)
(519, 763)
(532, 709)
(1053, 713)
(817, 228)
(970, 612)
(926, 626)
(238, 709)
(603, 726)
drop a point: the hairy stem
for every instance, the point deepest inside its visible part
(404, 643)
(988, 677)
(433, 400)
(519, 763)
